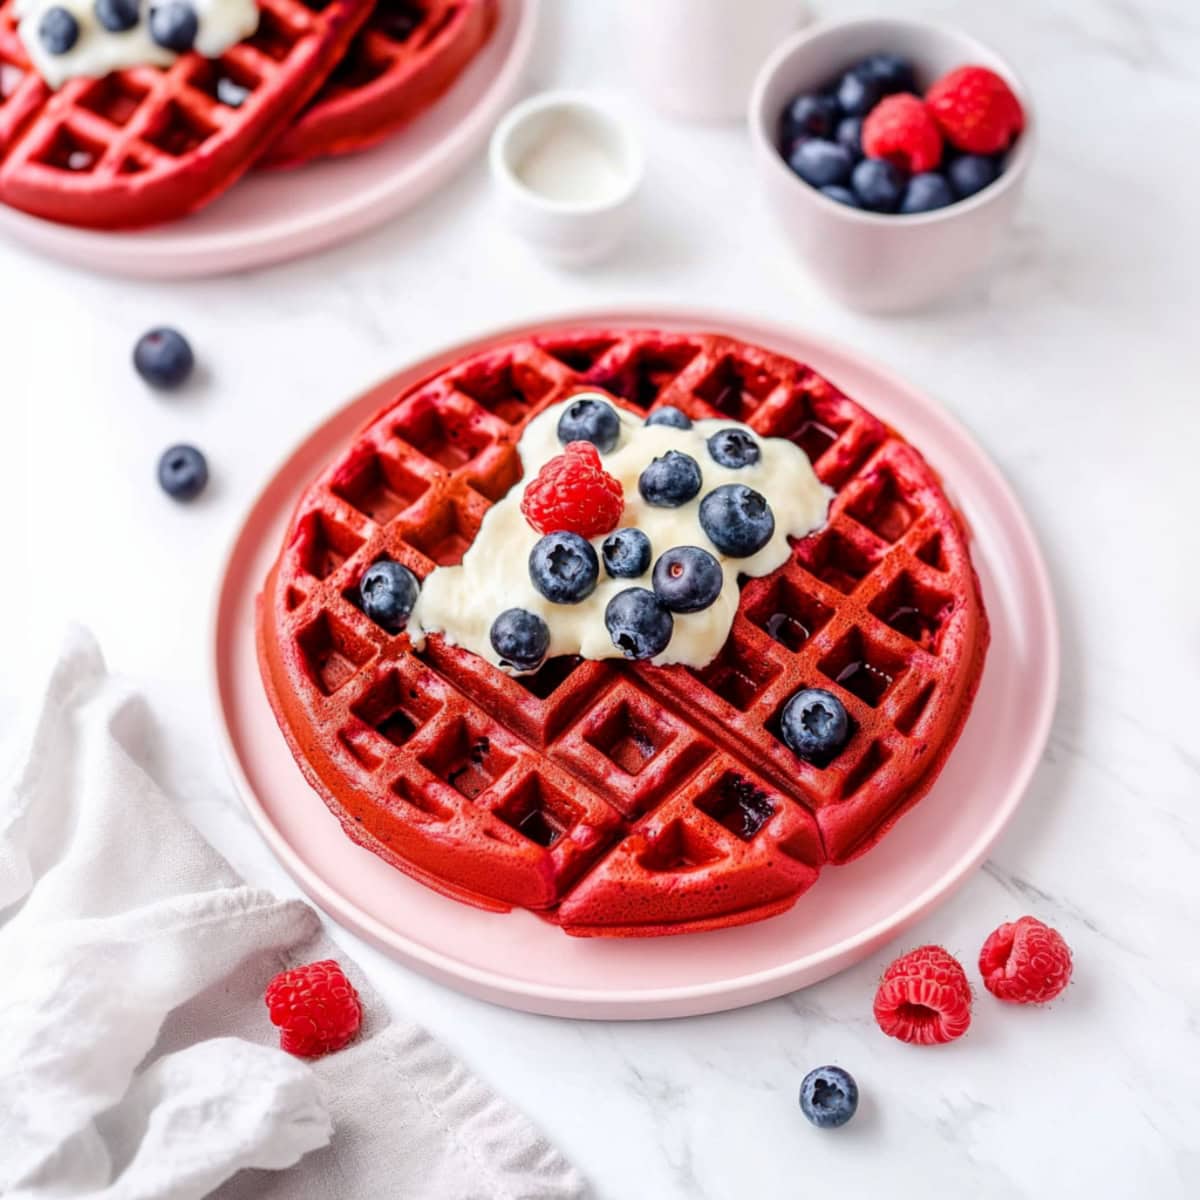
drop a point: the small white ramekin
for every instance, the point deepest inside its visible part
(572, 232)
(872, 261)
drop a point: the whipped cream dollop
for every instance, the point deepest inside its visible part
(461, 602)
(97, 50)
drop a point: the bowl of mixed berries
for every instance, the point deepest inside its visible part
(893, 154)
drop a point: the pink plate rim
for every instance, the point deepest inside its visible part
(790, 973)
(368, 188)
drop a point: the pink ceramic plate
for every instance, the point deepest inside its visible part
(520, 961)
(270, 216)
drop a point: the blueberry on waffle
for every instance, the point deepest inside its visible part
(147, 144)
(614, 797)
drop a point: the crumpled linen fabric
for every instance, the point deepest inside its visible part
(137, 1061)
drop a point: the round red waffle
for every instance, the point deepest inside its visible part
(408, 53)
(146, 145)
(614, 798)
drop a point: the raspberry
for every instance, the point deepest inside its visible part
(1025, 962)
(900, 129)
(976, 110)
(924, 997)
(573, 493)
(315, 1007)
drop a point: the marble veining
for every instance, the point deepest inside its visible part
(1075, 363)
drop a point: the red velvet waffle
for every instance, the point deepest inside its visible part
(619, 798)
(408, 53)
(149, 144)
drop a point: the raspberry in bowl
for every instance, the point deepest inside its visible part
(893, 153)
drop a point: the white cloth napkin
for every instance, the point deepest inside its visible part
(136, 1058)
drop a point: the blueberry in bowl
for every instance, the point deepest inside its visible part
(874, 112)
(821, 163)
(971, 173)
(842, 195)
(809, 115)
(849, 136)
(902, 98)
(925, 192)
(878, 185)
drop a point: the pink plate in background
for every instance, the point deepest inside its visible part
(271, 216)
(516, 959)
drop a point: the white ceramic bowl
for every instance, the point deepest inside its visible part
(566, 171)
(874, 261)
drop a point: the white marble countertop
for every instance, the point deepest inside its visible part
(1075, 362)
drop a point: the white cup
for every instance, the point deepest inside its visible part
(698, 58)
(566, 170)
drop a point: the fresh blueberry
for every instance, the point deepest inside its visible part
(815, 725)
(626, 553)
(892, 71)
(671, 416)
(670, 480)
(810, 116)
(878, 184)
(821, 163)
(590, 420)
(734, 448)
(117, 15)
(925, 192)
(971, 173)
(687, 579)
(58, 30)
(231, 93)
(737, 519)
(564, 567)
(183, 472)
(639, 626)
(849, 134)
(163, 358)
(174, 25)
(842, 196)
(520, 638)
(859, 92)
(388, 590)
(829, 1097)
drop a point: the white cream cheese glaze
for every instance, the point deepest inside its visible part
(98, 51)
(461, 602)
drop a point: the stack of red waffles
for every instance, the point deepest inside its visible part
(619, 798)
(402, 60)
(149, 144)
